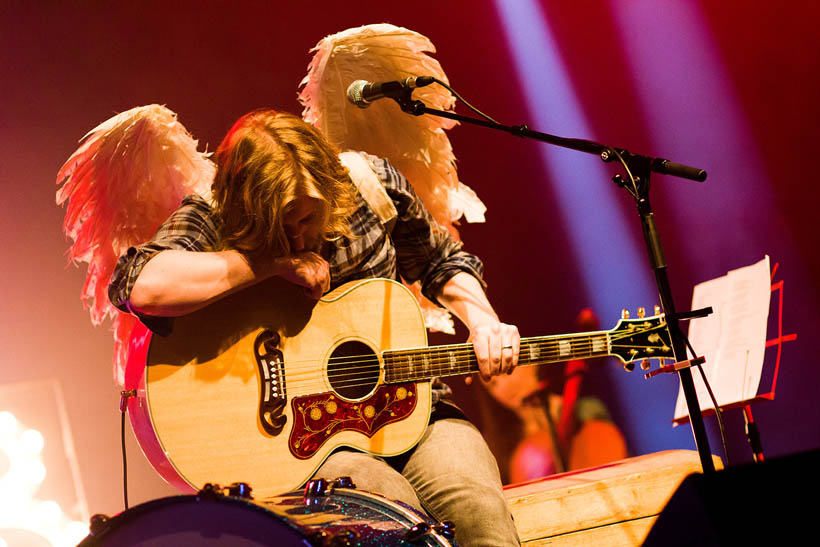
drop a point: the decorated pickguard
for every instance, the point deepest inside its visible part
(318, 417)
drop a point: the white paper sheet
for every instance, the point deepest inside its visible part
(732, 338)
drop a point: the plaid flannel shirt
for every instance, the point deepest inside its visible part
(417, 248)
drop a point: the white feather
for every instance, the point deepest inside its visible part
(417, 146)
(127, 176)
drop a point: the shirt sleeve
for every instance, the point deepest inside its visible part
(192, 227)
(425, 251)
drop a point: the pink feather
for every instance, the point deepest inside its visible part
(126, 177)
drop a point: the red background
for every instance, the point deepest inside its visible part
(65, 68)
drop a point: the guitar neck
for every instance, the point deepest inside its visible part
(425, 363)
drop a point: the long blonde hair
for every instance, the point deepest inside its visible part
(264, 163)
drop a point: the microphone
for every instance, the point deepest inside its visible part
(362, 93)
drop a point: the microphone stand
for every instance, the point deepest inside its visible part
(639, 169)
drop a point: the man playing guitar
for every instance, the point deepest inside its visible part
(283, 206)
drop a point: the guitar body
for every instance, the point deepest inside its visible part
(259, 387)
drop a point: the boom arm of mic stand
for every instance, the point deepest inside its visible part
(657, 165)
(640, 166)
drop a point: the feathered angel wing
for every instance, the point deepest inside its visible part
(127, 176)
(417, 146)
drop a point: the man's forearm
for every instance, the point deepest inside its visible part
(496, 344)
(465, 298)
(177, 282)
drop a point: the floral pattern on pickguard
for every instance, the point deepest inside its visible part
(319, 417)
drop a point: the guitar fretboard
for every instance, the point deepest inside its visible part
(419, 364)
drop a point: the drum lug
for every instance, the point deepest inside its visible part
(315, 489)
(209, 493)
(446, 528)
(416, 532)
(98, 524)
(240, 490)
(343, 482)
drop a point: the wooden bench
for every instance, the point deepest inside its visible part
(612, 505)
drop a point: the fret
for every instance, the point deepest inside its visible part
(564, 348)
(426, 363)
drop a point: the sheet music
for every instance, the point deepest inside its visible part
(732, 338)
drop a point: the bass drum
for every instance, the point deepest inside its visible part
(343, 517)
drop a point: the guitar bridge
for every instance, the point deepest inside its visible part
(272, 396)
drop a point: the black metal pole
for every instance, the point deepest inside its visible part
(659, 267)
(640, 167)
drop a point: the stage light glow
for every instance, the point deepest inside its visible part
(32, 441)
(609, 253)
(612, 263)
(8, 425)
(21, 513)
(49, 512)
(695, 115)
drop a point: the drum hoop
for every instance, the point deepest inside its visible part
(128, 515)
(134, 512)
(409, 513)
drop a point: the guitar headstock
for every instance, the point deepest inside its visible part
(641, 338)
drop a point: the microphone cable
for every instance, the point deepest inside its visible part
(124, 396)
(467, 104)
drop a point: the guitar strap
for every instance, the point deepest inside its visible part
(369, 186)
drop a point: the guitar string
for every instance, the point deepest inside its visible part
(355, 378)
(457, 351)
(317, 384)
(461, 349)
(444, 351)
(464, 360)
(442, 355)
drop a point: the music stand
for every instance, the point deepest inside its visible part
(752, 432)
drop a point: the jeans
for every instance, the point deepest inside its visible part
(451, 474)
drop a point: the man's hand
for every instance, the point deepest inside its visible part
(496, 347)
(306, 269)
(496, 344)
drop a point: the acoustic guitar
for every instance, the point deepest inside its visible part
(261, 386)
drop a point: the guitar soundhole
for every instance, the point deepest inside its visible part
(353, 370)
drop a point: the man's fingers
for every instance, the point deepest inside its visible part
(481, 345)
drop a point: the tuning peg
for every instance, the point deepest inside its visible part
(645, 364)
(657, 310)
(629, 366)
(624, 313)
(641, 312)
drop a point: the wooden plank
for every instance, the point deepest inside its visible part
(613, 493)
(631, 533)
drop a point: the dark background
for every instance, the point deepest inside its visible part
(66, 67)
